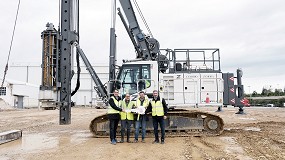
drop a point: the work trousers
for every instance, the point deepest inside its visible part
(113, 128)
(141, 123)
(160, 120)
(126, 124)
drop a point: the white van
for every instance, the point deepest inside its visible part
(270, 105)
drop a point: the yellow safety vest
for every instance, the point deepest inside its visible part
(117, 103)
(129, 115)
(157, 108)
(145, 104)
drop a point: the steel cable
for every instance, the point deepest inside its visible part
(15, 23)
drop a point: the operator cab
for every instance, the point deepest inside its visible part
(134, 78)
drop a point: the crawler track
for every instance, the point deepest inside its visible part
(179, 123)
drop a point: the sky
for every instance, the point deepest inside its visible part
(249, 33)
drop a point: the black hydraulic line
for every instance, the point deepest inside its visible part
(77, 55)
(78, 74)
(128, 31)
(100, 88)
(15, 23)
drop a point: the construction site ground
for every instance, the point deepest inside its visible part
(258, 134)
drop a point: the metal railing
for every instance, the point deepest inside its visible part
(208, 61)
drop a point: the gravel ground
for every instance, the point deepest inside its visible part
(259, 134)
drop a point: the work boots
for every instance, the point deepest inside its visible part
(155, 141)
(128, 137)
(122, 140)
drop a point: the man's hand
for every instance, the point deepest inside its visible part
(164, 117)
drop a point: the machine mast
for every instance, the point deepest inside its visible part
(68, 45)
(68, 37)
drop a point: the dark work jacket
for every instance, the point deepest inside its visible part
(115, 107)
(165, 109)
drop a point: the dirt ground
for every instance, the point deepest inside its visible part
(259, 134)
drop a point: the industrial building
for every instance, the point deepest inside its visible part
(17, 94)
(21, 88)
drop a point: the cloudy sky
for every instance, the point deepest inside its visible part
(249, 33)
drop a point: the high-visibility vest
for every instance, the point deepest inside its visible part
(145, 104)
(129, 115)
(117, 103)
(157, 108)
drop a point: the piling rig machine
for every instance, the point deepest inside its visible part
(181, 80)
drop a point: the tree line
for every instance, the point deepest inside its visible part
(279, 102)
